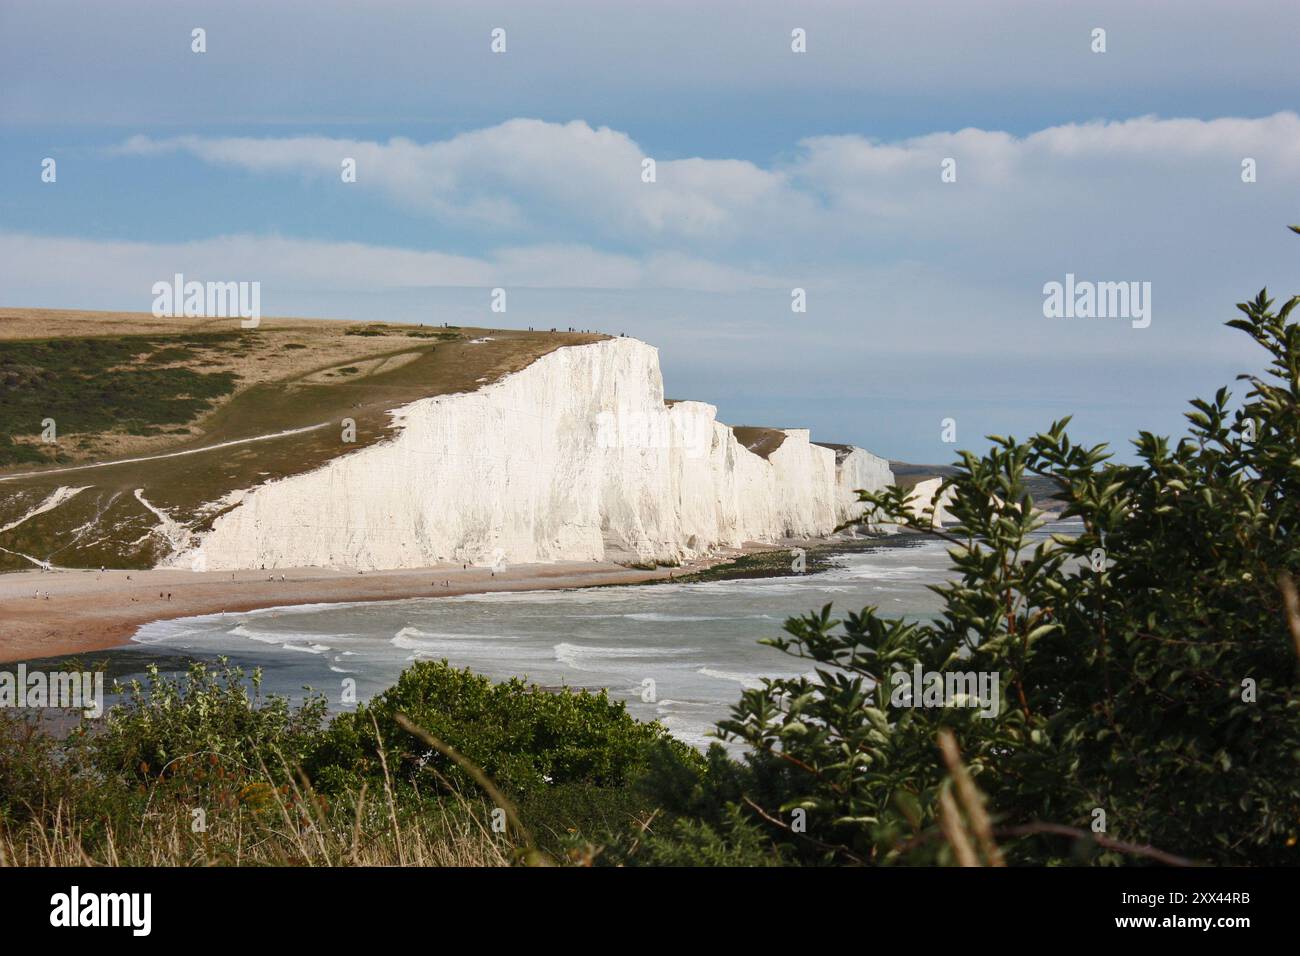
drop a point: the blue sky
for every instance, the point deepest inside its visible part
(775, 170)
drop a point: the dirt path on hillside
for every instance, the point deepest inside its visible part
(167, 454)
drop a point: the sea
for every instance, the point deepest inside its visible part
(678, 653)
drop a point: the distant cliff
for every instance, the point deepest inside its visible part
(575, 457)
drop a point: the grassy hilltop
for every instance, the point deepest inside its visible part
(124, 386)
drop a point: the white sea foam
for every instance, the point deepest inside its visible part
(586, 656)
(412, 638)
(653, 617)
(289, 641)
(692, 732)
(574, 597)
(240, 630)
(748, 681)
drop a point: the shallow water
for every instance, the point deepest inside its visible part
(678, 653)
(696, 643)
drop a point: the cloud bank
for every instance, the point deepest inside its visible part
(833, 199)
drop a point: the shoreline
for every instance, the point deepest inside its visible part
(88, 610)
(92, 611)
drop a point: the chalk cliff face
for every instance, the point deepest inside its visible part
(576, 457)
(925, 494)
(857, 468)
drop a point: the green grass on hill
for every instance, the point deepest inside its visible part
(96, 384)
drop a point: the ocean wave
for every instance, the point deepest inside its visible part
(412, 638)
(266, 637)
(753, 586)
(578, 655)
(693, 732)
(748, 681)
(656, 617)
(290, 642)
(576, 596)
(164, 632)
(667, 705)
(486, 653)
(671, 618)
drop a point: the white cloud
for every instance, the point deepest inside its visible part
(891, 257)
(837, 196)
(521, 173)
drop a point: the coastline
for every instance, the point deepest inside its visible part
(93, 611)
(90, 610)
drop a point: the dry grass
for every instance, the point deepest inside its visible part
(261, 824)
(275, 838)
(247, 819)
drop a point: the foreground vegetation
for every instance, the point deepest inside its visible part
(443, 768)
(1147, 707)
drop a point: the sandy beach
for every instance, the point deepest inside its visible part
(92, 610)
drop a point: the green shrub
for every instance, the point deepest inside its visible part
(33, 770)
(525, 738)
(99, 383)
(216, 713)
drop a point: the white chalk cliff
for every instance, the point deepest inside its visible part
(925, 494)
(575, 457)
